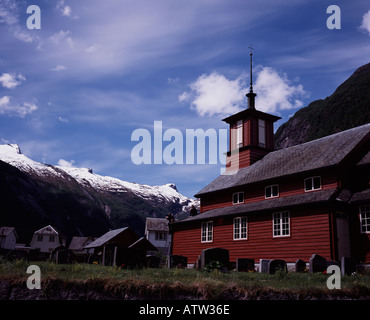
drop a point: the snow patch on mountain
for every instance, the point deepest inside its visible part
(12, 155)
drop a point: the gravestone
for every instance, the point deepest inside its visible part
(317, 263)
(244, 264)
(178, 261)
(275, 265)
(264, 265)
(198, 264)
(300, 265)
(153, 261)
(347, 266)
(215, 254)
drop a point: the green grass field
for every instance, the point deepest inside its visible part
(166, 282)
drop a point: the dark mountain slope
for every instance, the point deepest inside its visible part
(347, 107)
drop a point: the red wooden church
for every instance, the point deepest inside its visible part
(286, 204)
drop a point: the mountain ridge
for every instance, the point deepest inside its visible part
(77, 201)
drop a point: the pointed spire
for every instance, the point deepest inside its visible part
(251, 95)
(251, 69)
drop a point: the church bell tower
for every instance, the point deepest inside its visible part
(251, 133)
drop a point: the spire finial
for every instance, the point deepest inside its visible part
(251, 95)
(251, 79)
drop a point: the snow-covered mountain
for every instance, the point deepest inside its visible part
(66, 195)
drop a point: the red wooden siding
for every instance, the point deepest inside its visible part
(309, 234)
(257, 192)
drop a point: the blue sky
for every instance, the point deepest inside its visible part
(73, 91)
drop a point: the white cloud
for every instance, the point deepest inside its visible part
(65, 163)
(20, 110)
(185, 96)
(215, 94)
(25, 36)
(275, 92)
(65, 10)
(59, 67)
(61, 119)
(4, 101)
(62, 36)
(8, 12)
(11, 80)
(365, 25)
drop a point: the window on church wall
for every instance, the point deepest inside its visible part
(238, 198)
(207, 231)
(261, 133)
(365, 219)
(240, 228)
(272, 191)
(239, 134)
(312, 183)
(281, 224)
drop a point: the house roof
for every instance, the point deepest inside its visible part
(105, 238)
(143, 244)
(329, 151)
(47, 230)
(78, 243)
(156, 224)
(4, 231)
(275, 203)
(361, 196)
(250, 112)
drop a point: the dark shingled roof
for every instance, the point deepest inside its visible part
(362, 196)
(105, 238)
(320, 153)
(270, 204)
(157, 224)
(78, 243)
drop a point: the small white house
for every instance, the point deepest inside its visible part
(157, 232)
(8, 238)
(47, 239)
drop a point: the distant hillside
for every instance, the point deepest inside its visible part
(347, 107)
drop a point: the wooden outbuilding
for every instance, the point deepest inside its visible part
(122, 247)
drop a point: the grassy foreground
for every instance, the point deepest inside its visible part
(166, 283)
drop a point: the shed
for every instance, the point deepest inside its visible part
(8, 238)
(122, 247)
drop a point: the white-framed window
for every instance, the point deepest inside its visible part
(238, 197)
(239, 134)
(40, 238)
(207, 231)
(281, 224)
(272, 191)
(312, 183)
(261, 133)
(365, 218)
(51, 238)
(240, 228)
